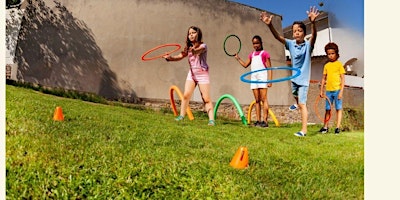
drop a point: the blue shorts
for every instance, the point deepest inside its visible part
(300, 92)
(333, 97)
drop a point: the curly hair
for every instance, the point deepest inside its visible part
(334, 46)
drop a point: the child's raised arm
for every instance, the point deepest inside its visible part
(268, 21)
(312, 15)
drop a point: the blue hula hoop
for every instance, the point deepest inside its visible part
(273, 80)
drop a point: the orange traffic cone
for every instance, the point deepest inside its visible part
(58, 114)
(241, 158)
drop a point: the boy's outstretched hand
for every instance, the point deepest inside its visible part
(265, 18)
(313, 13)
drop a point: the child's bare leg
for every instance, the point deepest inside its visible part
(189, 88)
(338, 118)
(205, 92)
(256, 93)
(265, 103)
(326, 121)
(304, 117)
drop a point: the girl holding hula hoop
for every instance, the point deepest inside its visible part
(259, 59)
(196, 51)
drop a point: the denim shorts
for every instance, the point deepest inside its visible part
(300, 92)
(333, 97)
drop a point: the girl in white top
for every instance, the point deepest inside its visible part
(259, 59)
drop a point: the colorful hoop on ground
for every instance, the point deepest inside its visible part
(316, 110)
(171, 95)
(269, 112)
(159, 47)
(273, 80)
(240, 44)
(238, 107)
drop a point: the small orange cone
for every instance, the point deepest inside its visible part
(241, 158)
(58, 114)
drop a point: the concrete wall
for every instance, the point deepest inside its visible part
(96, 46)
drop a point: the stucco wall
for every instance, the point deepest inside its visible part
(96, 46)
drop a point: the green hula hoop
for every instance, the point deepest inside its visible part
(238, 107)
(240, 44)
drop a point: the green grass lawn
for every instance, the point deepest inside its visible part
(113, 152)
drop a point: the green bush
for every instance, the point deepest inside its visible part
(353, 119)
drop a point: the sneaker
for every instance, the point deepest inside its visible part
(264, 124)
(337, 130)
(293, 107)
(257, 124)
(179, 118)
(323, 130)
(300, 134)
(211, 122)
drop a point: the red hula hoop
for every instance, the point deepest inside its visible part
(316, 110)
(159, 47)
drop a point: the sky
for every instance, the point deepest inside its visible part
(342, 12)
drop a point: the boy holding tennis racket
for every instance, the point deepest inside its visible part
(196, 51)
(259, 59)
(300, 52)
(333, 76)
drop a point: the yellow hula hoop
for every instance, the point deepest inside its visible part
(269, 112)
(171, 95)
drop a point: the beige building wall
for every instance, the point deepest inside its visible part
(96, 46)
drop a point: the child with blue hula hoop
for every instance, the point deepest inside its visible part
(259, 59)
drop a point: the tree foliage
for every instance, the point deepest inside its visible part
(10, 3)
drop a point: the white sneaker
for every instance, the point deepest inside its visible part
(300, 134)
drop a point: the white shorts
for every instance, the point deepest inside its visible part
(259, 76)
